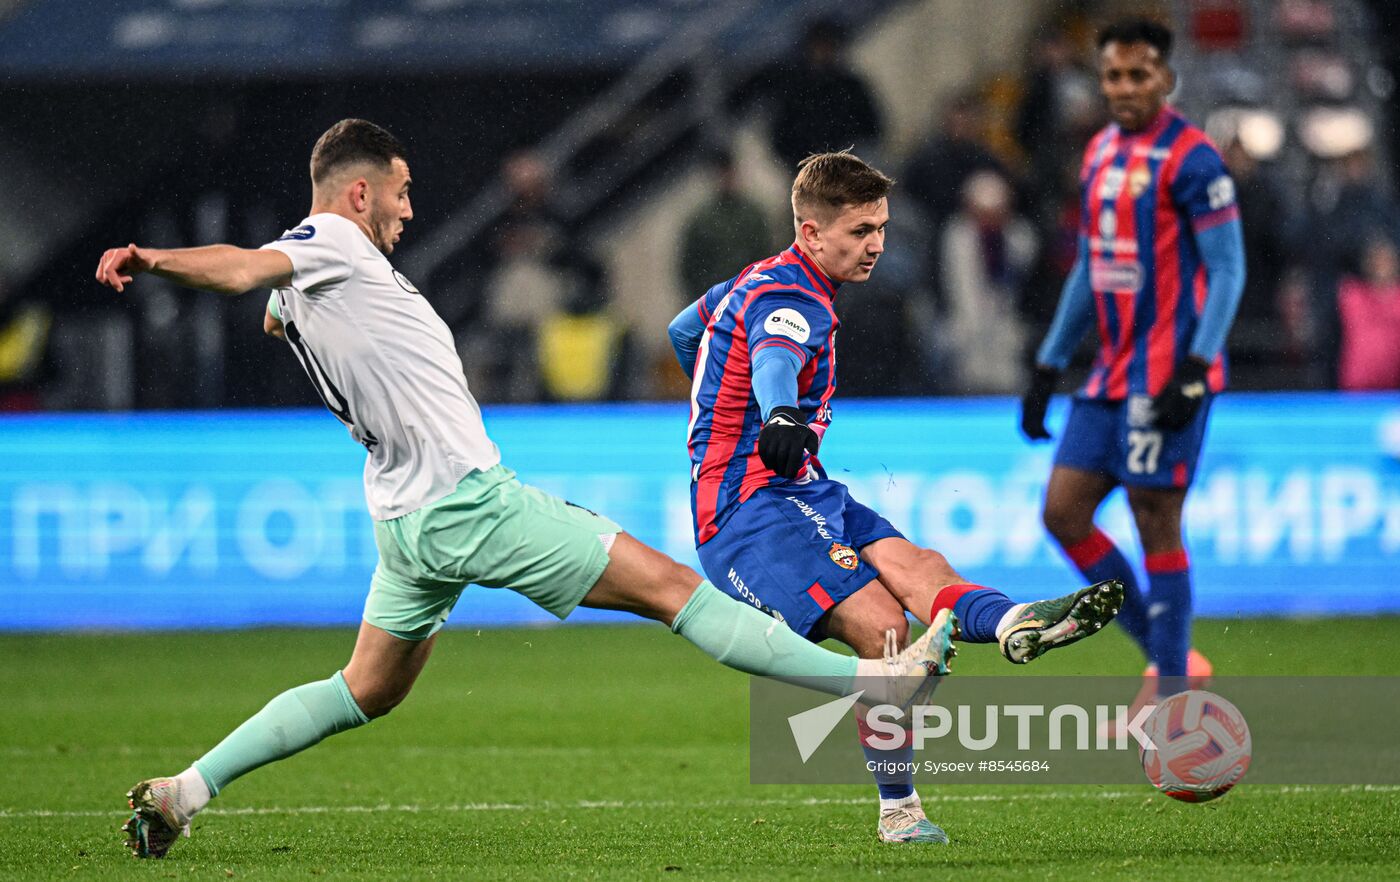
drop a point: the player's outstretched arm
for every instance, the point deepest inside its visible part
(224, 269)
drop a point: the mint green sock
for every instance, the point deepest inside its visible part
(738, 635)
(293, 721)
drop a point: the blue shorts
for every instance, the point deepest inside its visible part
(793, 551)
(1115, 438)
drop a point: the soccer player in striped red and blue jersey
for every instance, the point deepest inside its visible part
(383, 358)
(771, 528)
(1160, 271)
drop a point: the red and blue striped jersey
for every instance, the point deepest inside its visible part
(1143, 195)
(784, 301)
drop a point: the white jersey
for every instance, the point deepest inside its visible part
(385, 364)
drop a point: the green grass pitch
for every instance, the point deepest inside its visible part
(605, 752)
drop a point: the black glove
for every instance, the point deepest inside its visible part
(1177, 403)
(1035, 401)
(784, 439)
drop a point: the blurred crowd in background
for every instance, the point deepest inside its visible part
(983, 231)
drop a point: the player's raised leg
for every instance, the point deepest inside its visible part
(874, 624)
(925, 583)
(381, 672)
(642, 580)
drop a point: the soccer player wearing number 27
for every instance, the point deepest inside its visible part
(1161, 266)
(446, 512)
(771, 528)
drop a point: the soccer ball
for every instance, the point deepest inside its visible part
(1202, 746)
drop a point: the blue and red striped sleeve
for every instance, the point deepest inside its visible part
(787, 330)
(1203, 189)
(796, 321)
(689, 325)
(705, 306)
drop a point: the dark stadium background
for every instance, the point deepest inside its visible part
(584, 170)
(171, 122)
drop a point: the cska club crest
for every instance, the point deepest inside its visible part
(1138, 181)
(844, 556)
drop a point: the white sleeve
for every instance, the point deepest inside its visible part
(319, 253)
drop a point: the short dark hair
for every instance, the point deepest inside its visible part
(350, 141)
(828, 182)
(1139, 30)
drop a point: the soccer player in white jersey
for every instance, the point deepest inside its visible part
(446, 512)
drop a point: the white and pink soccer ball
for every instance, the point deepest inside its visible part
(1203, 746)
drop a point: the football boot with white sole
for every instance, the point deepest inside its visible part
(1044, 625)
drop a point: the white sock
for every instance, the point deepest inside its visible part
(194, 792)
(1010, 616)
(869, 668)
(912, 800)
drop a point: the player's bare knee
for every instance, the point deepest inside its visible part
(676, 581)
(899, 624)
(379, 700)
(669, 590)
(880, 619)
(377, 709)
(683, 578)
(920, 567)
(924, 569)
(377, 691)
(934, 565)
(868, 640)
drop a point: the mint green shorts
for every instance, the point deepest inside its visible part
(491, 531)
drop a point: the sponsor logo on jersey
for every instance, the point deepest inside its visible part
(1140, 415)
(1221, 192)
(1111, 184)
(299, 234)
(813, 515)
(405, 284)
(1115, 275)
(1113, 246)
(1108, 223)
(788, 323)
(742, 587)
(1138, 181)
(758, 277)
(844, 556)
